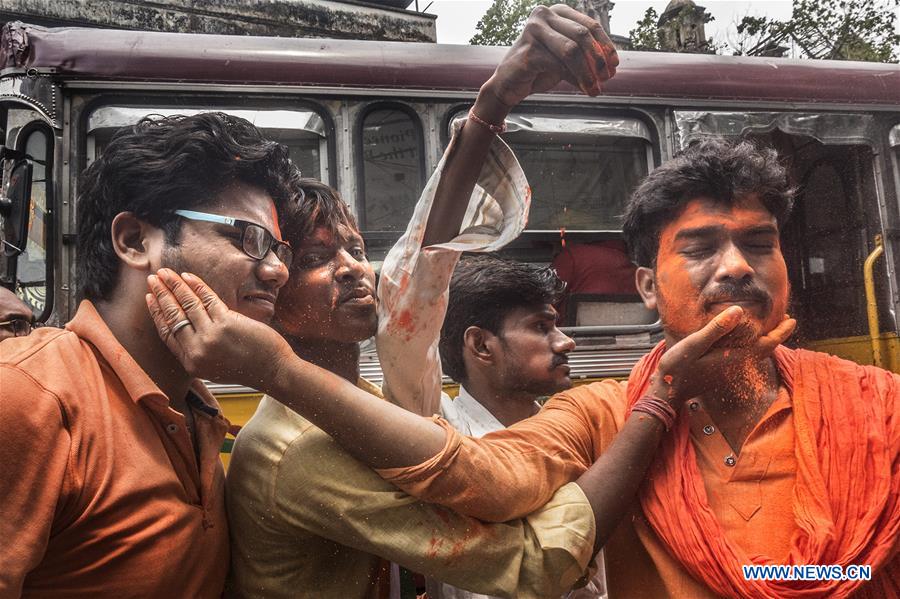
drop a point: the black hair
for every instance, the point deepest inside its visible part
(163, 164)
(314, 205)
(483, 290)
(723, 171)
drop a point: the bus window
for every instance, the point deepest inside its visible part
(33, 269)
(392, 167)
(581, 170)
(304, 132)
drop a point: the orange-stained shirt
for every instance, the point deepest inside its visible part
(101, 489)
(750, 493)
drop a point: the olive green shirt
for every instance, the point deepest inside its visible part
(308, 520)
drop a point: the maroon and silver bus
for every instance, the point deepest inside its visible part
(372, 119)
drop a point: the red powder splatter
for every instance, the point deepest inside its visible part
(459, 547)
(434, 546)
(443, 515)
(668, 379)
(404, 322)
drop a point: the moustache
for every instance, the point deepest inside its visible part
(736, 292)
(559, 360)
(356, 291)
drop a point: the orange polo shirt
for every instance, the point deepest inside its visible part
(101, 489)
(750, 494)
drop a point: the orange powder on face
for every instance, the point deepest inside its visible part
(680, 281)
(678, 295)
(277, 231)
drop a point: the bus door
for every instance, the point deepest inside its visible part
(840, 218)
(27, 207)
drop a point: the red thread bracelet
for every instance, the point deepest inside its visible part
(495, 129)
(657, 407)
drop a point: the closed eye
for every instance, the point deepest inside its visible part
(697, 251)
(310, 259)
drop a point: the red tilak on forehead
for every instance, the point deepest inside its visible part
(275, 220)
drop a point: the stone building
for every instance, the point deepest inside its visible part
(373, 19)
(681, 28)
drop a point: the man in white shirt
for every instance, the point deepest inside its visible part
(499, 340)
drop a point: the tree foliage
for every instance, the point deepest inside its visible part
(827, 29)
(504, 20)
(646, 36)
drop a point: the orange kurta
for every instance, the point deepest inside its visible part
(101, 491)
(750, 495)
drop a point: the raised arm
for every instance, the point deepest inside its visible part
(557, 43)
(476, 200)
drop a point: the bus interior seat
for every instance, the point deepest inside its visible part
(592, 309)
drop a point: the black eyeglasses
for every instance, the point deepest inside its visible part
(256, 241)
(19, 327)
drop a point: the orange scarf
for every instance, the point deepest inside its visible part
(846, 496)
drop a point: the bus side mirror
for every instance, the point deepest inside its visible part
(15, 208)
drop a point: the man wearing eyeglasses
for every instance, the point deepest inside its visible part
(112, 481)
(16, 318)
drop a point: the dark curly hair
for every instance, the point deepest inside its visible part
(483, 290)
(723, 171)
(314, 205)
(163, 164)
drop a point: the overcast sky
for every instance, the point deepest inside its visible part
(457, 18)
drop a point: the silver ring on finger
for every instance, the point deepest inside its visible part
(180, 325)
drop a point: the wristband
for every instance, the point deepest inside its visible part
(658, 408)
(495, 129)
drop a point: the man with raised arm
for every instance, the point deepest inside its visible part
(346, 519)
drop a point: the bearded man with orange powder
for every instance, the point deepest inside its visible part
(792, 458)
(774, 457)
